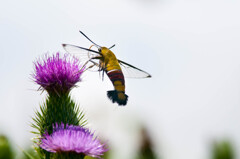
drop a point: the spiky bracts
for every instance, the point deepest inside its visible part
(58, 75)
(60, 109)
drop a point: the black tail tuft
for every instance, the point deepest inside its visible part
(119, 97)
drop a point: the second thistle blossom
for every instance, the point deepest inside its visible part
(74, 139)
(57, 74)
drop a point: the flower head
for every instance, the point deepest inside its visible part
(75, 139)
(56, 74)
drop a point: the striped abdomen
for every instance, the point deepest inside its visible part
(117, 78)
(118, 95)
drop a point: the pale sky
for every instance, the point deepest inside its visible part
(191, 48)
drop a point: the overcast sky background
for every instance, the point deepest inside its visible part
(191, 48)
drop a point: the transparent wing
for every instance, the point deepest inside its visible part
(80, 52)
(87, 57)
(131, 71)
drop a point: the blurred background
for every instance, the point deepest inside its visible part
(189, 109)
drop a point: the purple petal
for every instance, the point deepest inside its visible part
(56, 73)
(72, 138)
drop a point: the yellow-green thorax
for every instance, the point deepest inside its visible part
(109, 61)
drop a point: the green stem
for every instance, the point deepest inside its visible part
(60, 109)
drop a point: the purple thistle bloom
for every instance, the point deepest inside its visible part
(73, 139)
(56, 74)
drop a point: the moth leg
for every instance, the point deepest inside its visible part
(94, 64)
(103, 74)
(85, 64)
(89, 67)
(90, 60)
(103, 69)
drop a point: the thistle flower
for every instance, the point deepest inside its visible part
(56, 74)
(72, 139)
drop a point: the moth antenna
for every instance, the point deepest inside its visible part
(111, 46)
(90, 39)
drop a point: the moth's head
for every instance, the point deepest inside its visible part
(100, 49)
(103, 50)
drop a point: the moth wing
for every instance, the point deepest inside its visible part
(131, 71)
(87, 57)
